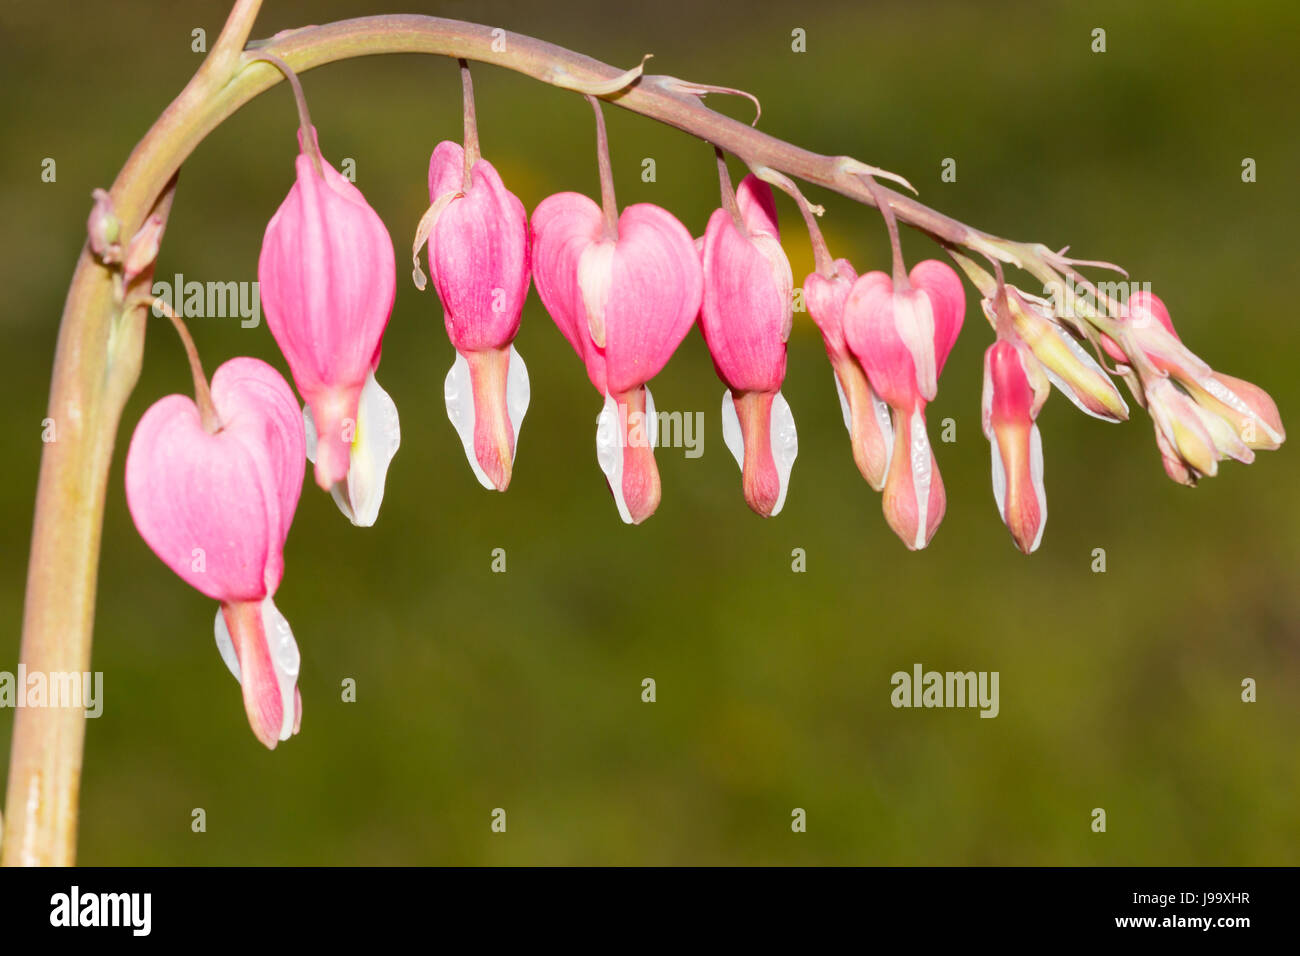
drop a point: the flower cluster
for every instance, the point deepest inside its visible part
(213, 483)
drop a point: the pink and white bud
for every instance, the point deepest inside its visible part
(866, 416)
(746, 317)
(216, 508)
(479, 261)
(624, 303)
(1010, 405)
(328, 280)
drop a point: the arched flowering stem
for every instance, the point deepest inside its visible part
(101, 335)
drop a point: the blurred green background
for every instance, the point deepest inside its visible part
(523, 690)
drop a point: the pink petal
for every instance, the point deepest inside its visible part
(217, 507)
(757, 207)
(563, 226)
(745, 316)
(656, 288)
(872, 334)
(328, 281)
(478, 253)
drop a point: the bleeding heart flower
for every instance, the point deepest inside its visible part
(216, 508)
(1015, 388)
(914, 498)
(866, 416)
(328, 280)
(746, 317)
(479, 260)
(624, 302)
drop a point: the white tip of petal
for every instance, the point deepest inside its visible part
(226, 646)
(458, 392)
(785, 445)
(379, 435)
(784, 438)
(731, 429)
(286, 660)
(844, 404)
(610, 434)
(1040, 489)
(922, 478)
(518, 392)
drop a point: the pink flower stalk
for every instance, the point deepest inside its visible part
(1204, 418)
(216, 508)
(914, 498)
(624, 302)
(1015, 388)
(866, 416)
(479, 260)
(328, 281)
(746, 317)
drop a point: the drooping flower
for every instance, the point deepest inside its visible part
(1015, 388)
(624, 302)
(1200, 416)
(479, 260)
(746, 317)
(328, 281)
(866, 416)
(914, 499)
(216, 508)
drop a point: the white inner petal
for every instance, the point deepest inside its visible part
(458, 391)
(731, 433)
(785, 445)
(378, 436)
(920, 451)
(609, 453)
(844, 404)
(225, 645)
(1040, 489)
(286, 660)
(886, 424)
(999, 476)
(518, 393)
